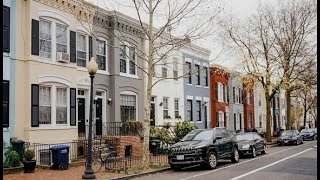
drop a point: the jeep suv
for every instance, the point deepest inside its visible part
(204, 147)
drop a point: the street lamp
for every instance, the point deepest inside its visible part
(92, 68)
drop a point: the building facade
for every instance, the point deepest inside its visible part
(259, 106)
(248, 102)
(196, 85)
(276, 113)
(219, 97)
(8, 82)
(236, 110)
(53, 85)
(283, 108)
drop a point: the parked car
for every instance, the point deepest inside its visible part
(290, 137)
(251, 143)
(308, 134)
(204, 147)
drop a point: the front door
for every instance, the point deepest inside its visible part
(152, 115)
(81, 117)
(99, 116)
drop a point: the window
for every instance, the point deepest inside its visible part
(205, 76)
(240, 119)
(260, 121)
(81, 92)
(175, 68)
(45, 105)
(61, 111)
(81, 50)
(101, 54)
(206, 116)
(197, 74)
(165, 108)
(220, 119)
(237, 98)
(249, 96)
(259, 99)
(235, 121)
(220, 92)
(189, 110)
(6, 29)
(164, 72)
(132, 64)
(127, 107)
(61, 38)
(250, 119)
(45, 38)
(198, 110)
(123, 63)
(176, 108)
(128, 59)
(189, 81)
(5, 103)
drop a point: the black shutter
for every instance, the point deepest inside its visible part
(225, 119)
(34, 105)
(73, 109)
(234, 95)
(35, 37)
(216, 92)
(5, 103)
(73, 48)
(6, 29)
(227, 94)
(90, 47)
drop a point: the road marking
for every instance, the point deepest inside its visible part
(241, 162)
(256, 170)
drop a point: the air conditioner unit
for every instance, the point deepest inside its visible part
(63, 57)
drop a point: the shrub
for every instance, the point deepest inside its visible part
(183, 128)
(161, 133)
(29, 155)
(12, 158)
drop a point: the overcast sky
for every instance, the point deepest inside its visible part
(239, 8)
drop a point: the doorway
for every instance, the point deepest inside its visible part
(152, 113)
(99, 116)
(81, 117)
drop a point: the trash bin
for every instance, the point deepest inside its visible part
(154, 146)
(18, 146)
(60, 157)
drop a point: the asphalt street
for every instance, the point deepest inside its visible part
(284, 162)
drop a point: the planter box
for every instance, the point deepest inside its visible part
(13, 170)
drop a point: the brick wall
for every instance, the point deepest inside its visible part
(134, 141)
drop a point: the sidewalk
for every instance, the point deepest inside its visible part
(73, 173)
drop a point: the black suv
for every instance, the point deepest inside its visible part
(204, 147)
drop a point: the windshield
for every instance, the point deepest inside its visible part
(306, 130)
(288, 133)
(198, 135)
(245, 137)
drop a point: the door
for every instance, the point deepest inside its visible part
(221, 144)
(81, 117)
(152, 115)
(99, 116)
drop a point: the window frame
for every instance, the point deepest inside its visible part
(164, 72)
(106, 53)
(197, 74)
(130, 93)
(190, 110)
(221, 119)
(198, 110)
(175, 69)
(86, 47)
(176, 107)
(7, 102)
(189, 70)
(205, 77)
(166, 108)
(128, 60)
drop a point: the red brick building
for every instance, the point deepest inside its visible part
(248, 99)
(219, 98)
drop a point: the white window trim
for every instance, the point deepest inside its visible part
(221, 115)
(87, 48)
(220, 92)
(135, 94)
(107, 66)
(187, 60)
(53, 98)
(166, 109)
(127, 74)
(54, 21)
(199, 121)
(103, 96)
(174, 109)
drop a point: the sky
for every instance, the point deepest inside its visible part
(219, 54)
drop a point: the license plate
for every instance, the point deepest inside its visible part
(286, 141)
(180, 157)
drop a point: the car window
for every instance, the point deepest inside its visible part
(248, 136)
(198, 135)
(256, 136)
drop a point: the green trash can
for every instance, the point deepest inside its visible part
(18, 146)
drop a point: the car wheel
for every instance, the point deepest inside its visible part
(254, 153)
(175, 167)
(264, 151)
(235, 155)
(212, 161)
(301, 141)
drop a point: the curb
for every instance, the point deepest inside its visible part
(141, 174)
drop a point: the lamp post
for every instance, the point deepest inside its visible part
(92, 68)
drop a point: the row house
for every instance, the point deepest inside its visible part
(279, 111)
(9, 59)
(219, 99)
(196, 85)
(52, 88)
(259, 106)
(248, 100)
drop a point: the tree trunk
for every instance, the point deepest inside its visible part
(145, 157)
(268, 117)
(288, 98)
(305, 116)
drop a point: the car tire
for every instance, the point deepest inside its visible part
(235, 155)
(175, 167)
(264, 151)
(254, 152)
(212, 161)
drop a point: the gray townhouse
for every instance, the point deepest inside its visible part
(196, 85)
